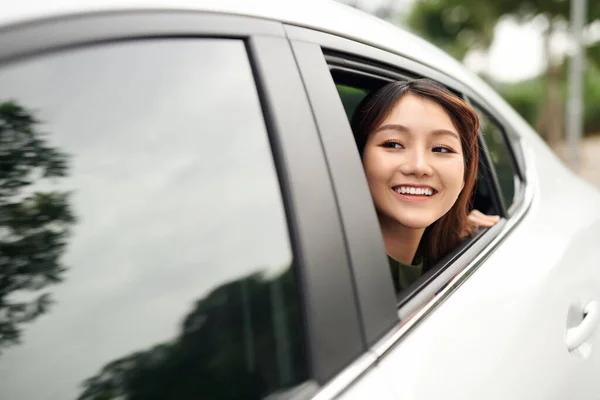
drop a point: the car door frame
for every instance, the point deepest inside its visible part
(368, 262)
(334, 334)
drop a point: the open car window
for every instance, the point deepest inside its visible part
(352, 91)
(338, 73)
(353, 86)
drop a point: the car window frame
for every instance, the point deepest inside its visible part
(412, 297)
(333, 332)
(515, 152)
(458, 265)
(375, 73)
(385, 75)
(346, 62)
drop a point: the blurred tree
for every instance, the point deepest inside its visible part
(593, 54)
(459, 26)
(455, 26)
(33, 225)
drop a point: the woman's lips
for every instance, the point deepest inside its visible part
(418, 195)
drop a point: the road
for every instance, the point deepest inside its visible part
(590, 160)
(589, 167)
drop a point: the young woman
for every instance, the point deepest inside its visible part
(418, 143)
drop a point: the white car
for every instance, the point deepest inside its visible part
(184, 215)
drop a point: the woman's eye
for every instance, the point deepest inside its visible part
(442, 149)
(393, 145)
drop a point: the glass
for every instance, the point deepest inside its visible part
(145, 251)
(351, 98)
(500, 156)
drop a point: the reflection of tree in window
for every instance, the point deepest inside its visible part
(241, 341)
(34, 225)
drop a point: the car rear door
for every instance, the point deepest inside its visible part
(492, 324)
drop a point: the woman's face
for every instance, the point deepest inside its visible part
(414, 163)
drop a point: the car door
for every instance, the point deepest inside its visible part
(493, 320)
(163, 233)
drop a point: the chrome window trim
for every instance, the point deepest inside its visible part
(520, 207)
(345, 379)
(404, 327)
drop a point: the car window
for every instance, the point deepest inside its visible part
(351, 93)
(351, 97)
(144, 246)
(500, 156)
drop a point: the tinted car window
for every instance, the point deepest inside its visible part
(144, 246)
(500, 156)
(351, 98)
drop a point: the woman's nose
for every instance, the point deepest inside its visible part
(416, 162)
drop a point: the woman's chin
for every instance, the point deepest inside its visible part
(415, 223)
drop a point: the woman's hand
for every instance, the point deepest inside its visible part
(480, 220)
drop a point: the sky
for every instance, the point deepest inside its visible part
(516, 54)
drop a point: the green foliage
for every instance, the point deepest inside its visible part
(526, 97)
(591, 98)
(593, 55)
(455, 26)
(34, 225)
(459, 26)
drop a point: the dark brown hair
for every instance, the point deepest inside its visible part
(448, 231)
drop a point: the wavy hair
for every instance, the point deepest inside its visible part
(448, 231)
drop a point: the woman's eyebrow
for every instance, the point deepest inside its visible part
(445, 132)
(402, 128)
(394, 127)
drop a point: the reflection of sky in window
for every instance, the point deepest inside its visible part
(173, 187)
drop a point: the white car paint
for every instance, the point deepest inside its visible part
(373, 385)
(502, 334)
(323, 15)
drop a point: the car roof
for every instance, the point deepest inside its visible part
(322, 15)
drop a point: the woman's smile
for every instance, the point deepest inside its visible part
(414, 163)
(418, 144)
(417, 193)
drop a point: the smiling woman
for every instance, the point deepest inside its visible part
(418, 144)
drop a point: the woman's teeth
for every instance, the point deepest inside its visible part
(414, 190)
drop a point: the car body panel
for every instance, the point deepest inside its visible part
(293, 138)
(504, 328)
(372, 385)
(500, 333)
(322, 15)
